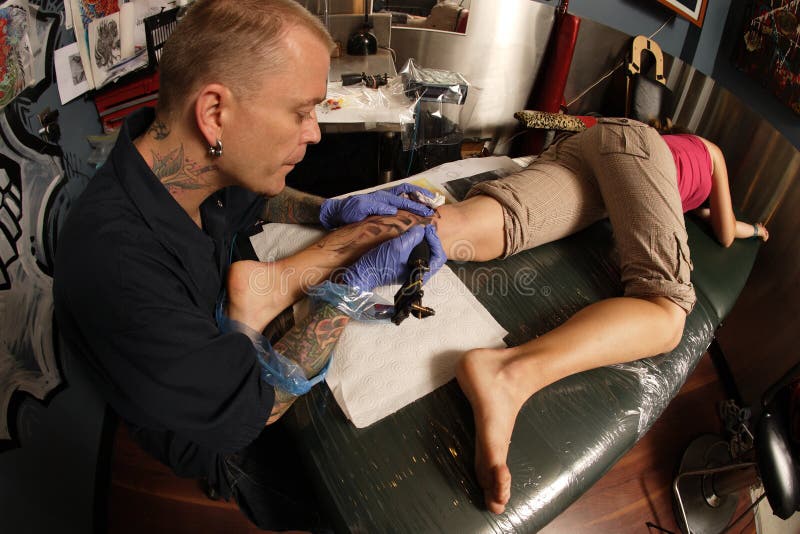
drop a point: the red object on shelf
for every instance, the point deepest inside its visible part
(117, 102)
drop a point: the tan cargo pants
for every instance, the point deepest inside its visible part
(620, 169)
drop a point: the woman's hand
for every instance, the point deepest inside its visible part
(761, 231)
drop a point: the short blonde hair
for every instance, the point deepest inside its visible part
(232, 42)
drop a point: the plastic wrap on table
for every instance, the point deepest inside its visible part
(413, 471)
(440, 111)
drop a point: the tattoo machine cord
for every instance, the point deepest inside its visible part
(408, 299)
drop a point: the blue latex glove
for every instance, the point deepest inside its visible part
(388, 262)
(338, 212)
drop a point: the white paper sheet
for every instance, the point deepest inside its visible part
(378, 368)
(69, 73)
(127, 28)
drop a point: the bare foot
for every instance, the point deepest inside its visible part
(495, 405)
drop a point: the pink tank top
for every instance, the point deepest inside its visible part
(693, 163)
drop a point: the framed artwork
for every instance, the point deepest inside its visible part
(769, 48)
(694, 10)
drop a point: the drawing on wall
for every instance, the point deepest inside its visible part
(769, 48)
(104, 47)
(16, 56)
(31, 178)
(84, 12)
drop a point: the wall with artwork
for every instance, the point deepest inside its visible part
(43, 167)
(709, 48)
(769, 48)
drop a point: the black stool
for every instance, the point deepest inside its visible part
(705, 490)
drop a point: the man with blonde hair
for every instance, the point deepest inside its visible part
(143, 257)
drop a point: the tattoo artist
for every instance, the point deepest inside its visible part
(144, 294)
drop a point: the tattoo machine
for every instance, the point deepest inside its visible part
(372, 81)
(408, 299)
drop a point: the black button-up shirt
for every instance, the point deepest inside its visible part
(136, 281)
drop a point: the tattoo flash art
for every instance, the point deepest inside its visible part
(16, 57)
(107, 49)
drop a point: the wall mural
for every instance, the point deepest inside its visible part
(33, 202)
(769, 48)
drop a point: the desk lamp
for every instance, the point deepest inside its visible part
(363, 42)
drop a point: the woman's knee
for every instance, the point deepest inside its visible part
(472, 230)
(672, 323)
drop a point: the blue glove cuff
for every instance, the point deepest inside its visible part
(276, 369)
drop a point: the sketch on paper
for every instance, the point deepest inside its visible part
(70, 75)
(104, 47)
(76, 69)
(16, 56)
(84, 12)
(107, 44)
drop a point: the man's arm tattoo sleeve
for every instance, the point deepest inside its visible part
(310, 344)
(294, 207)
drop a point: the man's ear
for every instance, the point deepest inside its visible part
(212, 107)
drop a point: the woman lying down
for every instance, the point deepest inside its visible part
(620, 169)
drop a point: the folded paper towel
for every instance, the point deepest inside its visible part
(378, 368)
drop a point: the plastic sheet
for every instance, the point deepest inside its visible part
(438, 114)
(413, 471)
(276, 369)
(284, 373)
(356, 304)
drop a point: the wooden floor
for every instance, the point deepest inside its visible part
(146, 497)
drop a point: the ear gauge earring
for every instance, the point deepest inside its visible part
(215, 151)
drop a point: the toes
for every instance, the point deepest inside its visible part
(494, 507)
(502, 484)
(498, 492)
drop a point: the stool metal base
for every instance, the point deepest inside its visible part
(698, 509)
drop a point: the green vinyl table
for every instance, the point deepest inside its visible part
(412, 471)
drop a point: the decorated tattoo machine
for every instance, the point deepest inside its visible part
(408, 299)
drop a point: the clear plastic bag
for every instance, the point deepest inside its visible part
(284, 373)
(356, 304)
(438, 114)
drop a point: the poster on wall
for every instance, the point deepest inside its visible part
(769, 48)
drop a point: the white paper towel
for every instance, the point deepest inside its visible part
(381, 367)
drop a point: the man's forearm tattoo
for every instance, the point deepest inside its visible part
(370, 232)
(310, 344)
(177, 173)
(294, 207)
